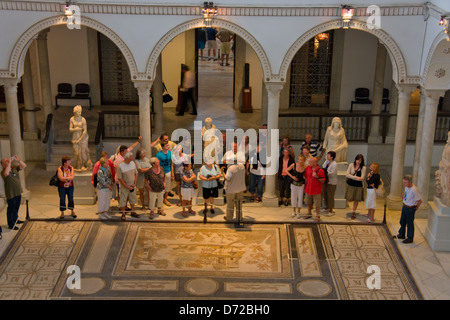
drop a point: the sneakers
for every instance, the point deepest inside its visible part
(294, 214)
(104, 215)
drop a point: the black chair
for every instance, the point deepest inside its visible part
(64, 92)
(361, 97)
(385, 100)
(82, 91)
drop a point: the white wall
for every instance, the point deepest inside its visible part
(68, 58)
(360, 50)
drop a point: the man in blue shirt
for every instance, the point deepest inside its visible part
(165, 159)
(211, 38)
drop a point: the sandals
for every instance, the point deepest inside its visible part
(353, 215)
(74, 215)
(192, 212)
(184, 214)
(123, 217)
(134, 215)
(307, 216)
(317, 219)
(258, 199)
(151, 216)
(161, 212)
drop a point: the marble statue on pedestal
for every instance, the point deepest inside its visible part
(443, 175)
(210, 141)
(336, 141)
(80, 139)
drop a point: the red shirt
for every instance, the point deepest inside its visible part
(313, 185)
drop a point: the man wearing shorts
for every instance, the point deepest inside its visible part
(225, 37)
(315, 177)
(165, 159)
(127, 177)
(212, 44)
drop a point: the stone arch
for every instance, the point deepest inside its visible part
(17, 58)
(436, 72)
(398, 62)
(150, 72)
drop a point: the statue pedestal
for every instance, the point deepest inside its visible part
(84, 191)
(339, 196)
(437, 233)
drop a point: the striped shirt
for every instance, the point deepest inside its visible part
(315, 146)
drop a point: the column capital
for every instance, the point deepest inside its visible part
(274, 88)
(9, 83)
(433, 94)
(405, 90)
(143, 87)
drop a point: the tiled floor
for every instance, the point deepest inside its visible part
(430, 269)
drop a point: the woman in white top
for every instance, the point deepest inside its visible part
(354, 190)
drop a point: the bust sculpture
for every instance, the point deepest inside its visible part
(336, 141)
(443, 175)
(80, 139)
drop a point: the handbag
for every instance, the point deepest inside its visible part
(54, 181)
(195, 184)
(167, 98)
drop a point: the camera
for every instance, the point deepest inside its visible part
(209, 176)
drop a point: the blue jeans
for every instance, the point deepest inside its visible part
(407, 222)
(256, 179)
(62, 198)
(12, 212)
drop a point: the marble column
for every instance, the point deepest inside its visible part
(426, 149)
(390, 137)
(419, 132)
(398, 159)
(30, 124)
(270, 197)
(377, 95)
(158, 99)
(44, 73)
(15, 137)
(145, 128)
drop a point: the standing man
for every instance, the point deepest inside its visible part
(315, 146)
(234, 187)
(13, 189)
(225, 37)
(127, 178)
(188, 88)
(165, 160)
(212, 44)
(315, 177)
(164, 137)
(411, 202)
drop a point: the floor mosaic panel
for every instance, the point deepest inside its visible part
(207, 261)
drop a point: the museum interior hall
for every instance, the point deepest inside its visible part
(80, 79)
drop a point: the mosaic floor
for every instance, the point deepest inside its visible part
(203, 261)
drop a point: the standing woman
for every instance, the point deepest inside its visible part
(66, 176)
(155, 181)
(104, 187)
(373, 181)
(142, 166)
(187, 188)
(296, 172)
(284, 181)
(354, 190)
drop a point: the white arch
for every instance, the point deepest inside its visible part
(431, 58)
(17, 58)
(398, 62)
(152, 62)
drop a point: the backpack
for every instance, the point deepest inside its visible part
(326, 173)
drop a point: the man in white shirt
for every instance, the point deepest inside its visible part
(188, 88)
(234, 187)
(127, 176)
(329, 188)
(411, 202)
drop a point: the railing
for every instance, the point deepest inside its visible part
(48, 137)
(357, 126)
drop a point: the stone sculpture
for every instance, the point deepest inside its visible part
(80, 139)
(336, 141)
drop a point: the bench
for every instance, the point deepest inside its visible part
(82, 91)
